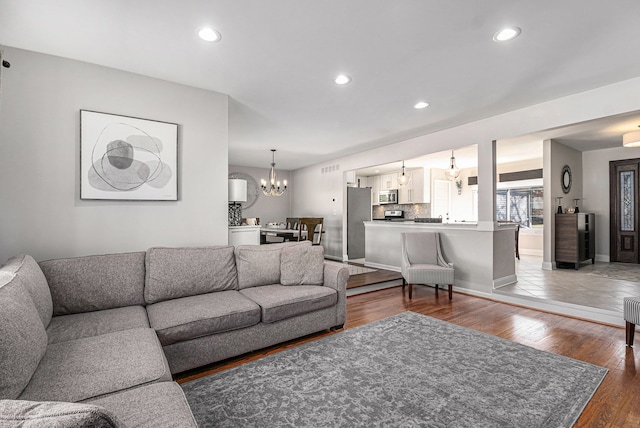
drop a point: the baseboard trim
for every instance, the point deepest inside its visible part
(504, 281)
(381, 266)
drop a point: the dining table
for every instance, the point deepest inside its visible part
(286, 234)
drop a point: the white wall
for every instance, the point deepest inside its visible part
(314, 190)
(40, 209)
(269, 209)
(595, 192)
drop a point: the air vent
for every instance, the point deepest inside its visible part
(330, 168)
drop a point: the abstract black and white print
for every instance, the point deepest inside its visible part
(127, 158)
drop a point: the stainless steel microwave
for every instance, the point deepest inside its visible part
(388, 197)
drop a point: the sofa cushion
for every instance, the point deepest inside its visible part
(34, 414)
(279, 302)
(23, 340)
(93, 283)
(196, 316)
(302, 265)
(182, 272)
(87, 324)
(161, 404)
(258, 265)
(32, 278)
(87, 368)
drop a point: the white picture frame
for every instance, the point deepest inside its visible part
(127, 158)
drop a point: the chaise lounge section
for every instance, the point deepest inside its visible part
(105, 333)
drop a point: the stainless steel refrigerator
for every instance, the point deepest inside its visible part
(358, 211)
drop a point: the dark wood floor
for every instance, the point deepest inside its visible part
(615, 403)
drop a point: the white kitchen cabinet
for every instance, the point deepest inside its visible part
(375, 187)
(389, 181)
(414, 191)
(244, 235)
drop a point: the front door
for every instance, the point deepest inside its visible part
(623, 183)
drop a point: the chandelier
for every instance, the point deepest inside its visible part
(272, 187)
(453, 172)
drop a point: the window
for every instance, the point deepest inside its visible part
(520, 205)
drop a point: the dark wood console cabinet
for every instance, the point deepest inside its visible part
(575, 238)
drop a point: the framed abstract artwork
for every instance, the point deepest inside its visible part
(127, 158)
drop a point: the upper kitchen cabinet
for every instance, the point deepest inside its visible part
(417, 191)
(389, 181)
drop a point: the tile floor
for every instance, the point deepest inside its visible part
(583, 287)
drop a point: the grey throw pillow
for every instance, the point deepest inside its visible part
(302, 265)
(33, 414)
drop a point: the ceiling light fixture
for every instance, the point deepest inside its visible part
(508, 33)
(421, 104)
(453, 172)
(403, 179)
(342, 79)
(631, 139)
(273, 188)
(209, 34)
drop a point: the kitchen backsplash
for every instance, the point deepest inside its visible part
(411, 211)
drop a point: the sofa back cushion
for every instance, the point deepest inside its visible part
(32, 278)
(23, 340)
(182, 272)
(93, 283)
(260, 264)
(302, 265)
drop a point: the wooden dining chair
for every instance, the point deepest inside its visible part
(313, 226)
(293, 223)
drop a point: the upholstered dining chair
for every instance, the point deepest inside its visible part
(313, 226)
(423, 262)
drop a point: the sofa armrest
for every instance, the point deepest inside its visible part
(336, 277)
(58, 414)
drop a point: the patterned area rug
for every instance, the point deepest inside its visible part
(622, 271)
(408, 370)
(353, 270)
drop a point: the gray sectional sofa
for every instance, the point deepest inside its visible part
(94, 341)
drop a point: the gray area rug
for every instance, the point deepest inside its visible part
(408, 370)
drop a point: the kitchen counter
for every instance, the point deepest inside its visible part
(483, 259)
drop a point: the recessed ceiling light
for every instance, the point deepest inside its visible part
(342, 79)
(508, 33)
(209, 34)
(421, 105)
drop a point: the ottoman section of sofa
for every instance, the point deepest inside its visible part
(187, 318)
(280, 302)
(162, 404)
(87, 324)
(90, 367)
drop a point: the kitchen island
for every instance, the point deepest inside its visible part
(483, 259)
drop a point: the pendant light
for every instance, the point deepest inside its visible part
(403, 179)
(453, 172)
(272, 187)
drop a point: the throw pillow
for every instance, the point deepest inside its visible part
(302, 265)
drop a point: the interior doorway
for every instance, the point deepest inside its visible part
(623, 195)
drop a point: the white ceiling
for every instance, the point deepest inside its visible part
(277, 60)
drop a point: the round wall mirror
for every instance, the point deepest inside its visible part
(566, 179)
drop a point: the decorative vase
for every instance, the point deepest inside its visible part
(235, 214)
